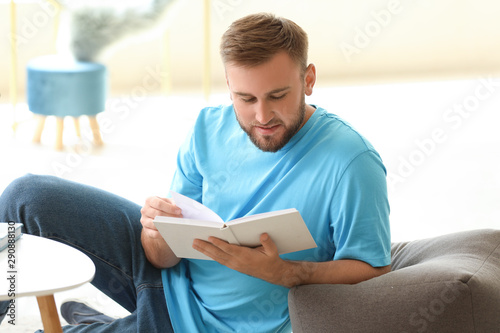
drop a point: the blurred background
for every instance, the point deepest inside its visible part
(420, 79)
(350, 41)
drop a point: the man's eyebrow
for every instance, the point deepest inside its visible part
(275, 91)
(242, 94)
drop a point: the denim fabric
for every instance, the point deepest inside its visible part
(104, 226)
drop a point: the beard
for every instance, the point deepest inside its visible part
(273, 143)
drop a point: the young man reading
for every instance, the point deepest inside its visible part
(265, 152)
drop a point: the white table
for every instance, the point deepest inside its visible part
(43, 267)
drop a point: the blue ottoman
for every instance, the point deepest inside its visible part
(59, 86)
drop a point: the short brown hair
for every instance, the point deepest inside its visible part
(254, 39)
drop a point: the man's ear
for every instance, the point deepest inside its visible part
(309, 79)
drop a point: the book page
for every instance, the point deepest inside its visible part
(285, 227)
(192, 209)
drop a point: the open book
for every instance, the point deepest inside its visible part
(285, 227)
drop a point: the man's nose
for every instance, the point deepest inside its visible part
(263, 113)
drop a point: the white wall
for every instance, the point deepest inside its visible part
(350, 41)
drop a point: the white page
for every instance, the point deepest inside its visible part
(192, 209)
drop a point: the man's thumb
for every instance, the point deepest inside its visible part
(268, 244)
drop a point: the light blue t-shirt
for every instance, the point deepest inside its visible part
(327, 171)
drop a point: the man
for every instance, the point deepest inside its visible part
(267, 151)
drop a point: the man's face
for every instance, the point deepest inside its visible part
(269, 100)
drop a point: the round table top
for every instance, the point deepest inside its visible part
(38, 267)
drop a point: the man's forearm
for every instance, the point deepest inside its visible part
(295, 273)
(264, 263)
(158, 252)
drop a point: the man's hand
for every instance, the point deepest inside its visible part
(153, 207)
(264, 263)
(157, 250)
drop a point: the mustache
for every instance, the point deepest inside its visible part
(269, 124)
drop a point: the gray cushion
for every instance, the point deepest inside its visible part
(443, 284)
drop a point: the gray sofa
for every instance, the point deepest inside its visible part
(443, 284)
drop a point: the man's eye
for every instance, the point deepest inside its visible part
(278, 97)
(248, 100)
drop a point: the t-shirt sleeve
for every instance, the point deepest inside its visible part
(187, 179)
(360, 212)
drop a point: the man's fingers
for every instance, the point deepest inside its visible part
(156, 206)
(258, 262)
(210, 249)
(167, 206)
(268, 245)
(163, 205)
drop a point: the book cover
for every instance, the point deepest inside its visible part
(7, 229)
(285, 227)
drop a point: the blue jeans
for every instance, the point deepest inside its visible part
(105, 227)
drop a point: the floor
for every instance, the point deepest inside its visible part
(439, 140)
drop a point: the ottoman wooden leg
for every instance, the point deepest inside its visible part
(59, 134)
(39, 128)
(95, 131)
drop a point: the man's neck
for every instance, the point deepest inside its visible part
(309, 112)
